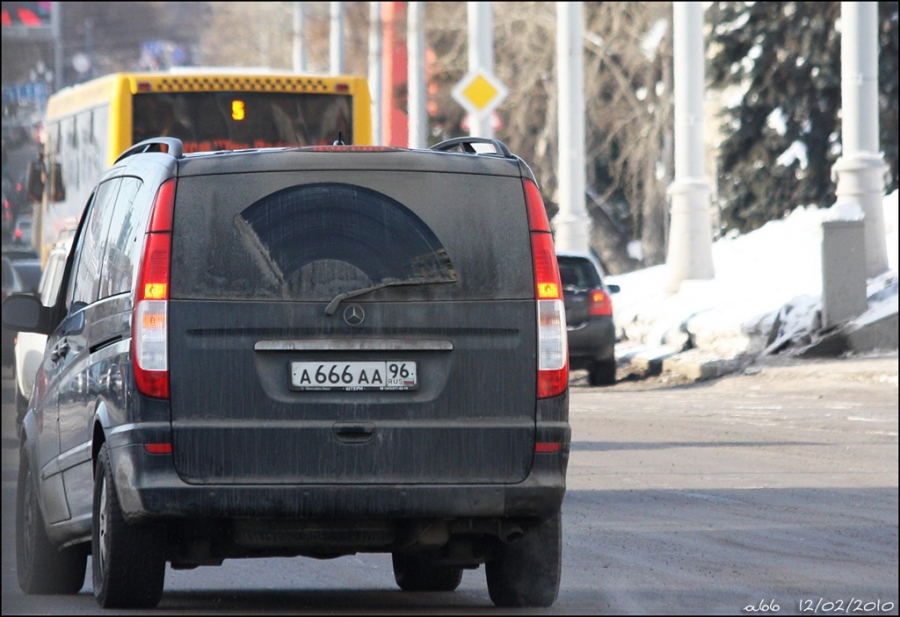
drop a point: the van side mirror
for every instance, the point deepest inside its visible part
(614, 289)
(25, 313)
(34, 180)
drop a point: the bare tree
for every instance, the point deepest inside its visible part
(627, 87)
(629, 94)
(628, 109)
(259, 34)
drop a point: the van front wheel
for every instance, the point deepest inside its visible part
(525, 573)
(42, 568)
(129, 561)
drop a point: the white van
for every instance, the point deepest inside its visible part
(30, 345)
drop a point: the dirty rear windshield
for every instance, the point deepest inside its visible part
(233, 239)
(206, 121)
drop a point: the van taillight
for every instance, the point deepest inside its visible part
(150, 337)
(601, 303)
(537, 213)
(553, 351)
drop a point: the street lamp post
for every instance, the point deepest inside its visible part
(859, 173)
(690, 235)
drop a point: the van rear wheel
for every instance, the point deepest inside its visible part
(413, 573)
(129, 561)
(526, 572)
(42, 568)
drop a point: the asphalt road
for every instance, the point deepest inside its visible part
(774, 489)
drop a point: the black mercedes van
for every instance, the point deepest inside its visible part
(310, 351)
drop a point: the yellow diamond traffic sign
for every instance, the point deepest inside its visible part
(479, 92)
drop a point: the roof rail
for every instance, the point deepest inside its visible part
(168, 145)
(465, 143)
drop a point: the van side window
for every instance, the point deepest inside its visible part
(84, 285)
(124, 230)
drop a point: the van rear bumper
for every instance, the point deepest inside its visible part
(150, 489)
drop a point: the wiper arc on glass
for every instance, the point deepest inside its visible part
(336, 301)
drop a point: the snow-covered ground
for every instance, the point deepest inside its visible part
(766, 292)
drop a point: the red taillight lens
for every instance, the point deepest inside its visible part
(546, 271)
(601, 303)
(158, 448)
(537, 213)
(553, 351)
(150, 342)
(547, 447)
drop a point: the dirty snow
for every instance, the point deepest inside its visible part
(766, 292)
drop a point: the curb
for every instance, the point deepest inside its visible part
(638, 362)
(697, 365)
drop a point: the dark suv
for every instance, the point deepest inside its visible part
(301, 351)
(589, 317)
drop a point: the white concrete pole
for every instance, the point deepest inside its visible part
(690, 236)
(376, 70)
(299, 51)
(56, 28)
(415, 43)
(571, 222)
(336, 38)
(480, 17)
(859, 173)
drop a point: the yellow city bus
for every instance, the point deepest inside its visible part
(87, 126)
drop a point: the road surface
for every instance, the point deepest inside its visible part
(773, 489)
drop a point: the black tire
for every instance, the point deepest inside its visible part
(526, 572)
(41, 567)
(602, 373)
(129, 561)
(413, 573)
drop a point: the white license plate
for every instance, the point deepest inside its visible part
(354, 376)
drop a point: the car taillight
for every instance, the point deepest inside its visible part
(601, 303)
(553, 352)
(150, 338)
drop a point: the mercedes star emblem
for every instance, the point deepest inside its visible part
(354, 314)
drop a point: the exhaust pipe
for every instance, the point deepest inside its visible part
(510, 533)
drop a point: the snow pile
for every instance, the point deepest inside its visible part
(766, 294)
(890, 229)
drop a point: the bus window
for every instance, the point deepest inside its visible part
(235, 120)
(207, 109)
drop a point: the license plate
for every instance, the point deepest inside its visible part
(354, 376)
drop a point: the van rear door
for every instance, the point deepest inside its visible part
(352, 327)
